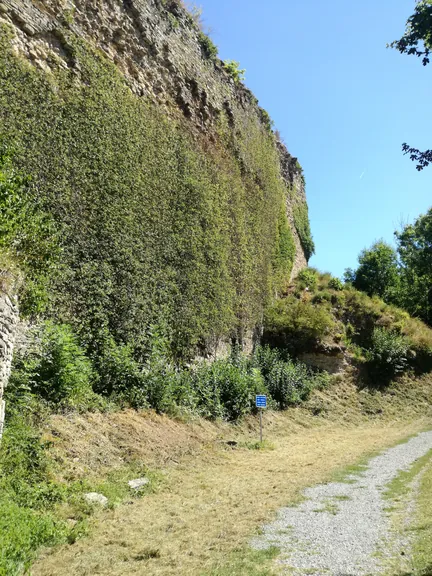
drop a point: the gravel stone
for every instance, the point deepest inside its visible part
(340, 527)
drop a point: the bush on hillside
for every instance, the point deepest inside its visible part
(321, 297)
(288, 382)
(387, 356)
(117, 371)
(307, 278)
(335, 284)
(234, 70)
(149, 383)
(296, 325)
(209, 49)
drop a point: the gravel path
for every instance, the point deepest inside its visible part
(339, 528)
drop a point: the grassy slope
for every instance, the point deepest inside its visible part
(213, 499)
(313, 314)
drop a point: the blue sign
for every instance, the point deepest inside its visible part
(261, 401)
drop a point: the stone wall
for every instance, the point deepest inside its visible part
(8, 326)
(159, 49)
(332, 358)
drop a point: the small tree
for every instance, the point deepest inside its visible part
(234, 70)
(378, 271)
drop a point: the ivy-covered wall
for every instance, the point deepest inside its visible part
(159, 219)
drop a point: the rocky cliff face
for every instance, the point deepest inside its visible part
(163, 56)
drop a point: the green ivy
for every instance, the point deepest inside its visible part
(157, 227)
(285, 252)
(28, 241)
(301, 222)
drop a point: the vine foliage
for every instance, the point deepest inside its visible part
(153, 226)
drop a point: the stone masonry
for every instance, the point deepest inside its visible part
(8, 325)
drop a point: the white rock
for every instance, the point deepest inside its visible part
(138, 483)
(95, 498)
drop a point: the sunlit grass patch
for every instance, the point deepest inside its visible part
(247, 561)
(422, 528)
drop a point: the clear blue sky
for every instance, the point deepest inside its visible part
(344, 105)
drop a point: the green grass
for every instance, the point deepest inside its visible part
(422, 528)
(257, 445)
(23, 531)
(247, 561)
(329, 508)
(346, 475)
(400, 486)
(36, 509)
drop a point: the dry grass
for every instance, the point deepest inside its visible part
(215, 499)
(89, 444)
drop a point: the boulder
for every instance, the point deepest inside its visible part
(138, 483)
(95, 498)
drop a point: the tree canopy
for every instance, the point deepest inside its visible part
(415, 254)
(402, 276)
(377, 273)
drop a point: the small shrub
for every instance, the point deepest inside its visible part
(150, 383)
(55, 369)
(234, 70)
(209, 49)
(335, 284)
(321, 297)
(387, 356)
(338, 299)
(307, 278)
(227, 388)
(118, 372)
(288, 382)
